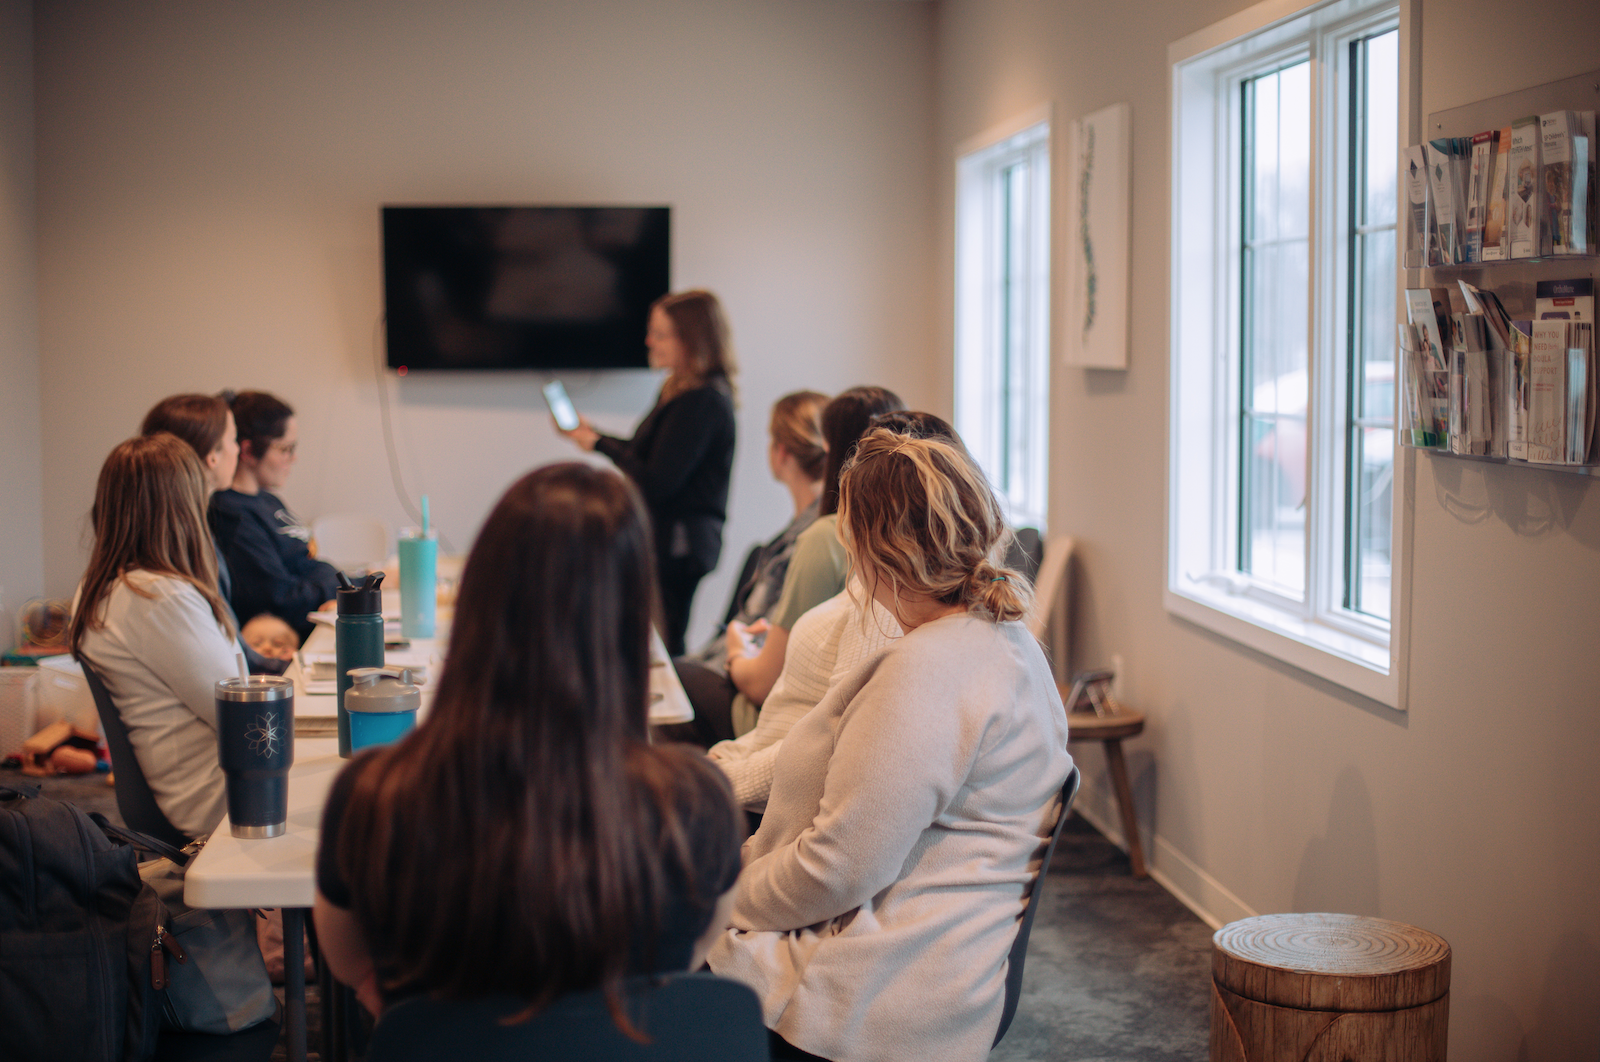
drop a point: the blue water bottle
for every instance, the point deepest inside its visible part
(358, 639)
(383, 704)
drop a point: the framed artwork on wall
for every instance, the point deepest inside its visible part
(1095, 324)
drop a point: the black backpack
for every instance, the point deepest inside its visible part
(82, 938)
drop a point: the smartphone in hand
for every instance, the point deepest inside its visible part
(561, 408)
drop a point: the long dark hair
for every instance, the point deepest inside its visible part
(148, 515)
(512, 843)
(844, 420)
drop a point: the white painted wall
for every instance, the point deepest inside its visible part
(21, 529)
(1477, 813)
(210, 177)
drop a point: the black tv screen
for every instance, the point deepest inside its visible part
(522, 287)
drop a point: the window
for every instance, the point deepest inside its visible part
(1003, 311)
(1284, 177)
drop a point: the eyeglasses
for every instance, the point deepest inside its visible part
(286, 450)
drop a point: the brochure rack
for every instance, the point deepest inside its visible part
(1513, 280)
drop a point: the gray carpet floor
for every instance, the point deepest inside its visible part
(1117, 970)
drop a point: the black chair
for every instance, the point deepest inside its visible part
(135, 802)
(688, 1017)
(742, 585)
(1025, 552)
(1019, 947)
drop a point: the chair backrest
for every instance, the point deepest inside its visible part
(741, 585)
(1019, 947)
(687, 1017)
(135, 802)
(1051, 621)
(350, 540)
(1025, 552)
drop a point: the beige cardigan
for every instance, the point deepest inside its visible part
(908, 816)
(161, 657)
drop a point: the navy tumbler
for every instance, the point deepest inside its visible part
(255, 744)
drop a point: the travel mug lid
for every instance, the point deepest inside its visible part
(255, 688)
(362, 600)
(381, 689)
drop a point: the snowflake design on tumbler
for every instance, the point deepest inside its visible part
(264, 735)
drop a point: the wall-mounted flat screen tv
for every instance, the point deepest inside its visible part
(522, 287)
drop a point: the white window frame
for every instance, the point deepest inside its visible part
(981, 387)
(1316, 634)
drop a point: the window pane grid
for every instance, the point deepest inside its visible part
(1369, 399)
(1274, 315)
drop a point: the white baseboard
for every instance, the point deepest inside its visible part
(1188, 883)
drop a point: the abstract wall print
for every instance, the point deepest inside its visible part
(1096, 320)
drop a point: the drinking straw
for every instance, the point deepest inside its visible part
(244, 672)
(424, 516)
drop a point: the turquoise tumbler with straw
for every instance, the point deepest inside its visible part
(419, 582)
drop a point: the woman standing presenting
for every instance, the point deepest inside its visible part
(681, 455)
(910, 809)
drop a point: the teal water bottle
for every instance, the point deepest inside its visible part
(358, 639)
(419, 581)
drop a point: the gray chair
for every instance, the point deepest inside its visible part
(135, 802)
(1019, 947)
(686, 1017)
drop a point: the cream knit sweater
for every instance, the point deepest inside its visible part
(907, 819)
(161, 657)
(827, 643)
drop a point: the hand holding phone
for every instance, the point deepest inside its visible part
(561, 407)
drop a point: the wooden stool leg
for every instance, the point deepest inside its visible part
(1130, 821)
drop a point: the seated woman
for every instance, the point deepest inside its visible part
(527, 838)
(797, 457)
(267, 549)
(826, 644)
(816, 572)
(149, 619)
(206, 423)
(910, 809)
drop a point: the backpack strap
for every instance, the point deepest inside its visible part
(139, 840)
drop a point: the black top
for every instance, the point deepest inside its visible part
(684, 917)
(681, 459)
(269, 559)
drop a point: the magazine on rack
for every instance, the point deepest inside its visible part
(1519, 388)
(1564, 300)
(1523, 197)
(1565, 155)
(1446, 184)
(1427, 314)
(1476, 426)
(1421, 246)
(1561, 403)
(1496, 233)
(1480, 164)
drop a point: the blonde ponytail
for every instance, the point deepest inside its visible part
(919, 514)
(1002, 593)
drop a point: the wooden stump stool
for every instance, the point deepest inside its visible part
(1328, 988)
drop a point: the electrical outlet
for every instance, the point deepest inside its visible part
(1118, 681)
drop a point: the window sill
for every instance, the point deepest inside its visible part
(1331, 654)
